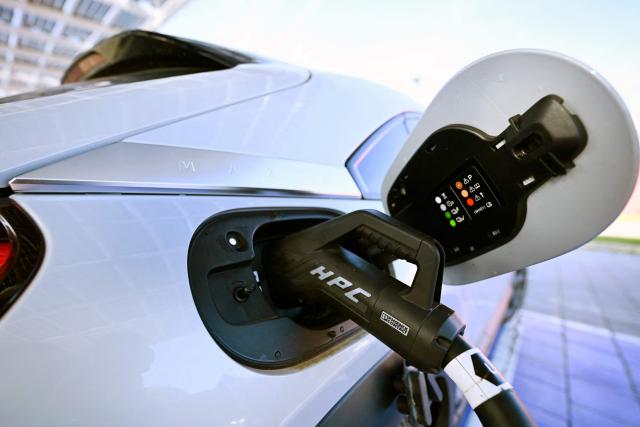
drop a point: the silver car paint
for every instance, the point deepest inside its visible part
(38, 131)
(108, 334)
(125, 167)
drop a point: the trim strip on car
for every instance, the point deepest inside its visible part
(133, 168)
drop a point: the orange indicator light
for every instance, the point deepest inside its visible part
(459, 185)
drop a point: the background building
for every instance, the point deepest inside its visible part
(39, 38)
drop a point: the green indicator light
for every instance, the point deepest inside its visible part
(452, 222)
(447, 215)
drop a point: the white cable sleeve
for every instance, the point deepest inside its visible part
(476, 376)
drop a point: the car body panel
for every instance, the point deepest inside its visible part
(38, 131)
(108, 334)
(125, 167)
(322, 121)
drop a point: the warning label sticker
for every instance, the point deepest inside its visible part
(394, 323)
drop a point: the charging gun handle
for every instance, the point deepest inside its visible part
(315, 265)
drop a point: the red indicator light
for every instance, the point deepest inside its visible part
(6, 251)
(470, 202)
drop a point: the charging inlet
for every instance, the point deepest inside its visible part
(235, 297)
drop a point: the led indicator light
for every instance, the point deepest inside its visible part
(470, 202)
(459, 185)
(443, 208)
(464, 193)
(452, 223)
(447, 215)
(438, 200)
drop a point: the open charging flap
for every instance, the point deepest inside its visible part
(521, 157)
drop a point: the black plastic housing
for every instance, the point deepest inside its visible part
(469, 190)
(145, 55)
(320, 265)
(232, 293)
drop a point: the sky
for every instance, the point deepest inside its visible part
(415, 46)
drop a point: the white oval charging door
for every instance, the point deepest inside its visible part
(567, 210)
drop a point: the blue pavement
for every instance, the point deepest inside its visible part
(578, 362)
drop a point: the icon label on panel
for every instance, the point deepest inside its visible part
(477, 211)
(464, 197)
(474, 193)
(493, 233)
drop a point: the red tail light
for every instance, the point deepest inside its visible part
(21, 251)
(6, 252)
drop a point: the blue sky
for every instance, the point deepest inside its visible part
(415, 46)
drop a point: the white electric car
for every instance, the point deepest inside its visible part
(104, 181)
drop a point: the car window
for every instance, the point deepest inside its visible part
(370, 162)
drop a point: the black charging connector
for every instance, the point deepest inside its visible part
(316, 265)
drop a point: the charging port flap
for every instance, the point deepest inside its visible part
(522, 156)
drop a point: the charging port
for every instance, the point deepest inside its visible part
(233, 295)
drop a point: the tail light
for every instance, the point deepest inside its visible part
(6, 252)
(21, 251)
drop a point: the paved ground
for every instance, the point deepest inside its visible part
(579, 356)
(573, 350)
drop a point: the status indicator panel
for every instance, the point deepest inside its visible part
(464, 198)
(469, 190)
